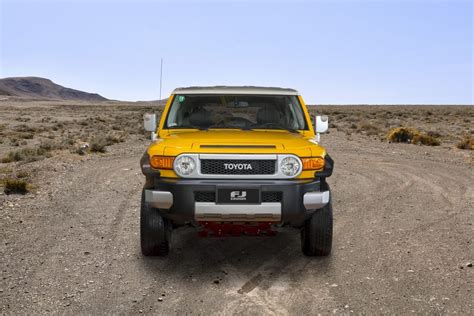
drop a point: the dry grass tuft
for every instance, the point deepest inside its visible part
(26, 155)
(98, 145)
(411, 135)
(25, 129)
(369, 128)
(424, 139)
(466, 143)
(5, 170)
(26, 135)
(115, 138)
(402, 134)
(22, 174)
(15, 186)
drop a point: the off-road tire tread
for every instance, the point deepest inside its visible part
(155, 231)
(316, 235)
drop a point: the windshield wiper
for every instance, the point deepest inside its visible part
(275, 125)
(201, 128)
(294, 131)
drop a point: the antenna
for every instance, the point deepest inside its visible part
(161, 76)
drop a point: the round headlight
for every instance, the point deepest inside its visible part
(184, 165)
(290, 166)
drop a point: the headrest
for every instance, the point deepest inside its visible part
(200, 117)
(267, 115)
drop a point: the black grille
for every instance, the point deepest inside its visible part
(271, 196)
(239, 167)
(202, 196)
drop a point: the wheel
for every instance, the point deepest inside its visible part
(316, 234)
(155, 231)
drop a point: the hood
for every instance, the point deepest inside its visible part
(235, 141)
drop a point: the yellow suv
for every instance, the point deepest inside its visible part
(236, 160)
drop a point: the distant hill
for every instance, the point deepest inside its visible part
(35, 87)
(162, 101)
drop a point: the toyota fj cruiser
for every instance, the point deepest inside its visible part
(236, 160)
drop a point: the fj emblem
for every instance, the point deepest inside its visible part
(238, 195)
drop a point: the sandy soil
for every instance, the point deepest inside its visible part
(402, 243)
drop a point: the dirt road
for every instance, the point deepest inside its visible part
(402, 243)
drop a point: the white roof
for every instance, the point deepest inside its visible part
(235, 90)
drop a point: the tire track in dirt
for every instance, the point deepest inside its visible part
(84, 188)
(423, 186)
(71, 210)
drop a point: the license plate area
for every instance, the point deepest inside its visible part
(238, 196)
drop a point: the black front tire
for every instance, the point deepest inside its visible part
(316, 234)
(155, 231)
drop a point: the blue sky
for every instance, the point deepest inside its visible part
(336, 52)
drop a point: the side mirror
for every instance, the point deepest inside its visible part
(149, 122)
(321, 123)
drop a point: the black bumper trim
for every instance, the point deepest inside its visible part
(328, 168)
(293, 211)
(147, 170)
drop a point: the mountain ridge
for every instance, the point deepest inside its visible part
(43, 88)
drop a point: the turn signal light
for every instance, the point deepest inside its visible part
(162, 162)
(314, 163)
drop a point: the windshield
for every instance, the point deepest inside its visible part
(236, 111)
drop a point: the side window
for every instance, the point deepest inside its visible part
(297, 113)
(177, 113)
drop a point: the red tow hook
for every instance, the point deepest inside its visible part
(220, 229)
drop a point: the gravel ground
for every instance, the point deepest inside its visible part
(402, 242)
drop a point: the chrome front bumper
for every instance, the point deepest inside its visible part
(316, 200)
(159, 199)
(264, 212)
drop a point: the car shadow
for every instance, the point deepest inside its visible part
(248, 261)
